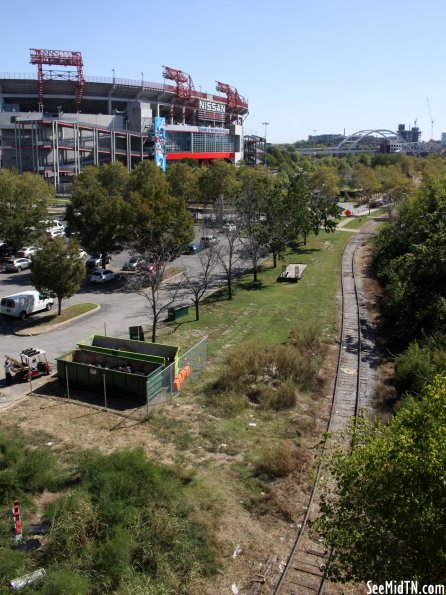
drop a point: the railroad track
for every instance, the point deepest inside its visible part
(304, 571)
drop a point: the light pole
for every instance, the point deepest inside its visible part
(142, 79)
(314, 136)
(265, 124)
(113, 70)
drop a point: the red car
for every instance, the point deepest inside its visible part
(151, 266)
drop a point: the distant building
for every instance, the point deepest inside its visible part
(409, 136)
(326, 139)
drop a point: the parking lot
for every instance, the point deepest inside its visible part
(118, 309)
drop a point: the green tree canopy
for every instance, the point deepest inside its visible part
(219, 185)
(99, 211)
(57, 269)
(256, 189)
(365, 180)
(183, 182)
(387, 519)
(325, 181)
(158, 218)
(410, 257)
(24, 202)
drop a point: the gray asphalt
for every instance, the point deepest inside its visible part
(118, 310)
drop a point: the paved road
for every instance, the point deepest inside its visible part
(118, 310)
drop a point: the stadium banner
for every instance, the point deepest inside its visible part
(160, 142)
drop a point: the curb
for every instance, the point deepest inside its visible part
(55, 326)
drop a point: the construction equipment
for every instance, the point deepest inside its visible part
(33, 363)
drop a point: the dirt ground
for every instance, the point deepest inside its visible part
(247, 539)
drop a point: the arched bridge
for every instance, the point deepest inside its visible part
(359, 142)
(350, 143)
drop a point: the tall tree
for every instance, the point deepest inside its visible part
(219, 186)
(158, 218)
(99, 211)
(297, 200)
(410, 257)
(57, 269)
(324, 181)
(395, 186)
(147, 282)
(183, 182)
(276, 218)
(228, 255)
(24, 202)
(256, 187)
(324, 213)
(365, 180)
(198, 284)
(387, 517)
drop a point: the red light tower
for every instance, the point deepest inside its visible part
(59, 58)
(185, 85)
(234, 100)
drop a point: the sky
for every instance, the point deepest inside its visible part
(305, 66)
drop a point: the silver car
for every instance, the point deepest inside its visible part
(17, 264)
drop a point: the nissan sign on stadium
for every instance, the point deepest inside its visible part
(210, 110)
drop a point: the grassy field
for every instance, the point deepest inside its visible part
(265, 314)
(242, 455)
(46, 322)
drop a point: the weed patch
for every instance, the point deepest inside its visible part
(270, 377)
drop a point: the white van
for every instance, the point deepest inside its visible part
(53, 225)
(21, 305)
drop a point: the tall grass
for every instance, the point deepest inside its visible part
(122, 520)
(269, 377)
(129, 517)
(25, 469)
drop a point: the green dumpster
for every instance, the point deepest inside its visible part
(136, 333)
(175, 312)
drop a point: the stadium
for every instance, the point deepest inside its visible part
(58, 121)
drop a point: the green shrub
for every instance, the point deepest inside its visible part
(64, 581)
(12, 565)
(282, 397)
(307, 338)
(74, 526)
(276, 459)
(414, 369)
(24, 469)
(38, 471)
(227, 403)
(268, 377)
(112, 558)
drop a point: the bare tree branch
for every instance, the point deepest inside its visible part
(198, 284)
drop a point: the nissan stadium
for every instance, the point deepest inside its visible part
(58, 121)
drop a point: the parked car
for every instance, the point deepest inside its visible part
(228, 228)
(151, 266)
(195, 247)
(52, 234)
(17, 264)
(95, 261)
(132, 263)
(21, 305)
(5, 250)
(102, 276)
(53, 224)
(26, 251)
(209, 240)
